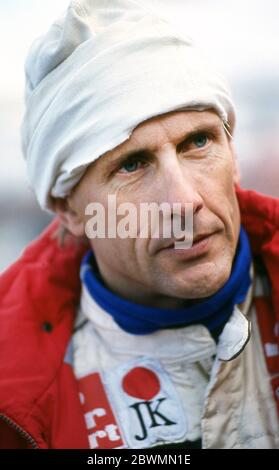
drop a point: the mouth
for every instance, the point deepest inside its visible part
(196, 240)
(201, 245)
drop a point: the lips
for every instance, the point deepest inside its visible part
(201, 246)
(200, 237)
(197, 239)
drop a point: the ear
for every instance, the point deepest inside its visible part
(236, 169)
(70, 218)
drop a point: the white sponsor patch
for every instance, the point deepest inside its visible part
(146, 403)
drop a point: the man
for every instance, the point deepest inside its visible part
(159, 344)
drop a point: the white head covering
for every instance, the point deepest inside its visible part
(100, 70)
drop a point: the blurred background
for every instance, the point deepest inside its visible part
(242, 37)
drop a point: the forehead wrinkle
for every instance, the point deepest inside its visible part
(183, 123)
(175, 127)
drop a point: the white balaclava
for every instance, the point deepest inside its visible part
(101, 70)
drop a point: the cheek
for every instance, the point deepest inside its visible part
(117, 255)
(218, 175)
(96, 194)
(132, 191)
(218, 190)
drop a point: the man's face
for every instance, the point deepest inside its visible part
(182, 157)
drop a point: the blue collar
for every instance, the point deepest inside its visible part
(212, 312)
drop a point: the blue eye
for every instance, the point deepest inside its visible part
(200, 140)
(131, 166)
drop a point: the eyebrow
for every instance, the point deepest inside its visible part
(206, 128)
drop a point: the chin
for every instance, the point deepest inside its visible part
(203, 282)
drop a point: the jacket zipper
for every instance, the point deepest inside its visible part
(20, 431)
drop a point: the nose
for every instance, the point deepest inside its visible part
(176, 184)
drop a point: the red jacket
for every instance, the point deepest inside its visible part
(39, 294)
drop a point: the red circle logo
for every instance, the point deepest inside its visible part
(142, 383)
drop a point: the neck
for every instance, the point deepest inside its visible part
(134, 291)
